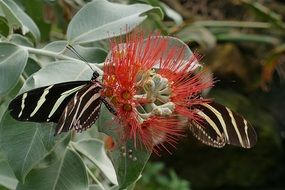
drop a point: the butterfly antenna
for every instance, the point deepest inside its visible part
(72, 49)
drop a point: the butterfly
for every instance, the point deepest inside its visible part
(72, 105)
(219, 126)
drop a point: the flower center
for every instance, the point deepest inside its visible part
(151, 95)
(154, 92)
(126, 95)
(127, 107)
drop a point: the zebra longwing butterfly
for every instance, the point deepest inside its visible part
(72, 105)
(220, 126)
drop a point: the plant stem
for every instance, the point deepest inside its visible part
(58, 56)
(71, 146)
(22, 79)
(100, 65)
(94, 178)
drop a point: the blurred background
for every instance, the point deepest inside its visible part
(243, 43)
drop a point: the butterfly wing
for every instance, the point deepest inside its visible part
(83, 109)
(219, 126)
(44, 104)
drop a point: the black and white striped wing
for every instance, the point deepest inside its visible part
(44, 104)
(83, 109)
(219, 126)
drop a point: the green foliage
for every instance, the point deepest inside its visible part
(94, 150)
(113, 18)
(154, 178)
(12, 63)
(17, 18)
(68, 173)
(7, 177)
(32, 144)
(128, 160)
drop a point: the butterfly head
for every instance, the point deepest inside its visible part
(95, 75)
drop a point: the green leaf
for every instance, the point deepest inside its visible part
(95, 187)
(12, 63)
(101, 19)
(7, 177)
(57, 72)
(56, 46)
(37, 11)
(5, 100)
(94, 150)
(197, 34)
(3, 188)
(171, 13)
(57, 153)
(230, 24)
(25, 144)
(4, 28)
(241, 37)
(31, 67)
(90, 54)
(104, 122)
(3, 107)
(265, 13)
(17, 18)
(178, 43)
(98, 187)
(69, 173)
(128, 160)
(20, 40)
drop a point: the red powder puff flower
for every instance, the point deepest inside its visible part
(152, 87)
